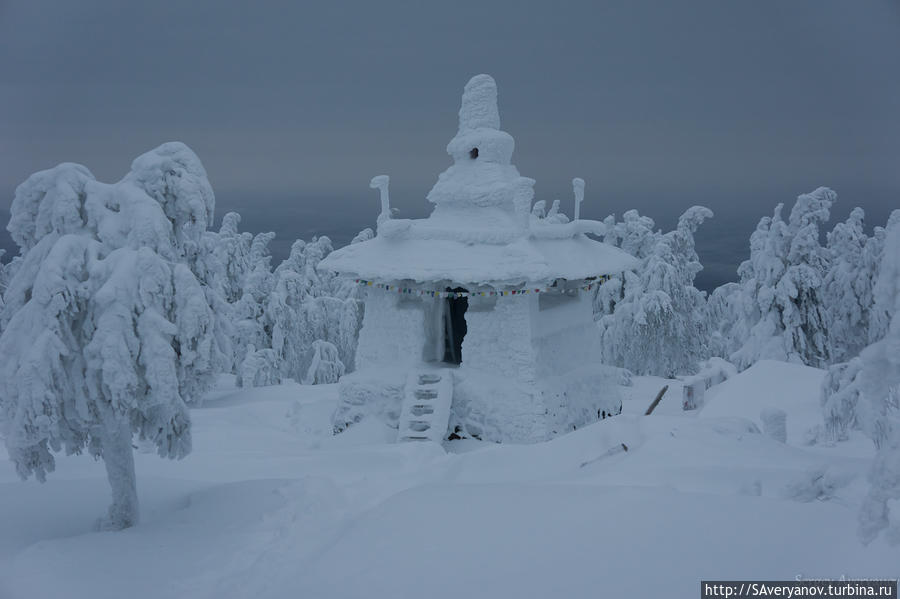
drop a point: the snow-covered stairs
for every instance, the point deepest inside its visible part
(425, 414)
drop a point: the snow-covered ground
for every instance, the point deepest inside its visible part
(269, 504)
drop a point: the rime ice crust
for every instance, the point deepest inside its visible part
(435, 259)
(481, 230)
(482, 176)
(479, 104)
(530, 366)
(479, 127)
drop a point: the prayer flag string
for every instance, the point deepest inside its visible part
(593, 282)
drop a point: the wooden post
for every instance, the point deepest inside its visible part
(656, 401)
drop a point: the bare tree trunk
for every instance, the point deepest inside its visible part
(118, 457)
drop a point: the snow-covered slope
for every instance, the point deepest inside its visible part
(770, 384)
(270, 505)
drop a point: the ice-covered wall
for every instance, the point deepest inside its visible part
(565, 337)
(497, 408)
(579, 397)
(494, 395)
(393, 331)
(433, 343)
(531, 370)
(576, 388)
(498, 339)
(390, 342)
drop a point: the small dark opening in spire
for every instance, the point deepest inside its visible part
(473, 153)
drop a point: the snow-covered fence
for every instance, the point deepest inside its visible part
(712, 372)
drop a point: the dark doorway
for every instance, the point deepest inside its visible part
(454, 326)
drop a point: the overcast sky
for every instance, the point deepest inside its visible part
(294, 106)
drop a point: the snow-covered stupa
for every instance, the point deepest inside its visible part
(478, 319)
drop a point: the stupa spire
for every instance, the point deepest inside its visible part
(479, 105)
(482, 175)
(479, 137)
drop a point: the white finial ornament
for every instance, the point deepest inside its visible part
(380, 182)
(578, 187)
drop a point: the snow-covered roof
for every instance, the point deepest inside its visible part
(446, 259)
(482, 229)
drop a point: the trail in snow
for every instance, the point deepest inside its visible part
(270, 505)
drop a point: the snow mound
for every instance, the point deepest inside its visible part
(768, 384)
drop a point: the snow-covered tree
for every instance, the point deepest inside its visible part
(843, 387)
(849, 301)
(689, 300)
(109, 331)
(839, 395)
(658, 324)
(723, 310)
(281, 314)
(325, 367)
(228, 257)
(4, 280)
(782, 287)
(248, 313)
(873, 258)
(259, 368)
(290, 339)
(879, 404)
(864, 393)
(307, 305)
(847, 288)
(635, 235)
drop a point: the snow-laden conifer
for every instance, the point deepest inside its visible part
(847, 288)
(783, 314)
(657, 324)
(325, 366)
(109, 331)
(4, 281)
(308, 305)
(259, 368)
(250, 324)
(879, 405)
